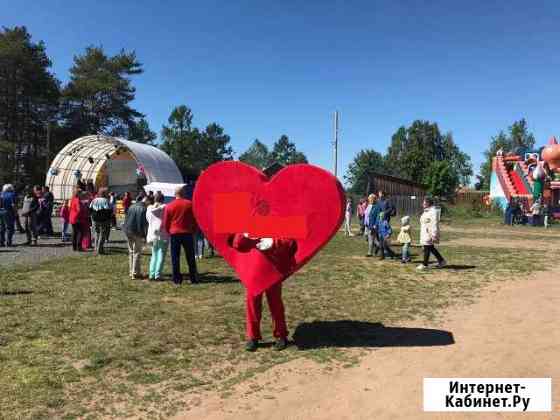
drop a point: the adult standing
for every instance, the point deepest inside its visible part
(157, 236)
(536, 210)
(78, 217)
(86, 198)
(360, 211)
(8, 209)
(41, 211)
(370, 227)
(101, 216)
(48, 197)
(429, 234)
(21, 190)
(508, 214)
(113, 205)
(29, 213)
(282, 251)
(380, 216)
(135, 228)
(178, 221)
(126, 202)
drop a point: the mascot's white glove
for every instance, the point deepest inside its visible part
(265, 244)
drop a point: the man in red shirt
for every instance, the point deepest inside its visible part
(178, 221)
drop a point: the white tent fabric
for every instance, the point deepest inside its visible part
(167, 189)
(89, 154)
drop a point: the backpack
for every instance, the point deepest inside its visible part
(100, 216)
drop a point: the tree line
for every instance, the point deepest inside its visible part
(422, 154)
(418, 153)
(39, 114)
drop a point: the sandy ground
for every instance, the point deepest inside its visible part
(532, 244)
(512, 331)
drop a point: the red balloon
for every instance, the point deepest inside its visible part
(301, 207)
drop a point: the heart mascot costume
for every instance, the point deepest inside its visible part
(267, 228)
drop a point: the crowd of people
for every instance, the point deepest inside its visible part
(36, 209)
(87, 219)
(89, 216)
(374, 215)
(540, 213)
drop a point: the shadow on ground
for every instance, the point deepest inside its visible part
(456, 267)
(321, 334)
(15, 292)
(459, 267)
(211, 277)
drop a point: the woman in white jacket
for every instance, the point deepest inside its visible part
(429, 234)
(157, 236)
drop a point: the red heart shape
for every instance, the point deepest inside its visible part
(301, 203)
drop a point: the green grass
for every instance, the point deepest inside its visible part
(79, 339)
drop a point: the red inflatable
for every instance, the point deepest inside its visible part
(301, 205)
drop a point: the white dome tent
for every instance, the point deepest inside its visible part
(110, 162)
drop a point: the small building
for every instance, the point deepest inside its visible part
(406, 195)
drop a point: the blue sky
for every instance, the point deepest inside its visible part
(262, 69)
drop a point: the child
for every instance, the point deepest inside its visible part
(199, 245)
(405, 239)
(65, 216)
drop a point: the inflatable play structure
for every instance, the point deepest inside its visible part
(527, 175)
(121, 165)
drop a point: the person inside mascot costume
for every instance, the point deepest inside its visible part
(281, 252)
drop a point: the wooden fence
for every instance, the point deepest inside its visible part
(470, 197)
(407, 205)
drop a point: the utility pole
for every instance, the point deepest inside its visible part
(335, 143)
(48, 157)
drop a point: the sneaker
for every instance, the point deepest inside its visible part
(251, 345)
(422, 267)
(280, 344)
(369, 255)
(442, 264)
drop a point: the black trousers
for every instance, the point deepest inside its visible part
(76, 237)
(430, 249)
(186, 242)
(386, 250)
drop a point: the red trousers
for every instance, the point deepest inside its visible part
(253, 313)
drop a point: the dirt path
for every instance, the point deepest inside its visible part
(512, 331)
